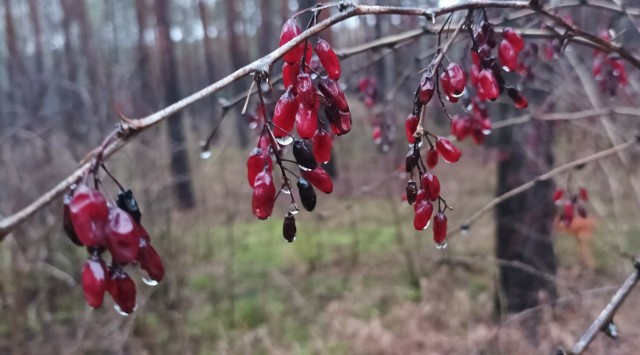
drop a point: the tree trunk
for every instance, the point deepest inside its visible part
(524, 222)
(237, 59)
(179, 158)
(268, 39)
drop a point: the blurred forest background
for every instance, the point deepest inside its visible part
(359, 278)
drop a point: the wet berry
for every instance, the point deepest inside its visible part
(319, 178)
(328, 58)
(488, 84)
(432, 158)
(289, 31)
(94, 281)
(423, 210)
(426, 90)
(150, 261)
(307, 194)
(256, 163)
(284, 114)
(333, 94)
(411, 191)
(517, 98)
(457, 79)
(440, 228)
(290, 74)
(508, 56)
(449, 152)
(410, 127)
(303, 155)
(264, 195)
(128, 203)
(306, 121)
(123, 290)
(431, 185)
(122, 236)
(89, 213)
(305, 90)
(514, 39)
(289, 229)
(322, 143)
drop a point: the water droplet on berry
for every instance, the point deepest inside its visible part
(205, 154)
(441, 245)
(294, 208)
(427, 226)
(119, 311)
(286, 140)
(149, 282)
(486, 132)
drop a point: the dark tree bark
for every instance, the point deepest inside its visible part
(236, 51)
(524, 222)
(180, 169)
(268, 38)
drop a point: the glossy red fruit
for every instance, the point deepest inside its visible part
(319, 178)
(328, 58)
(431, 185)
(445, 84)
(478, 136)
(67, 224)
(440, 228)
(449, 152)
(520, 101)
(514, 39)
(123, 290)
(256, 162)
(460, 127)
(568, 213)
(508, 56)
(150, 261)
(487, 81)
(264, 142)
(557, 195)
(421, 196)
(305, 90)
(423, 211)
(94, 281)
(306, 121)
(410, 127)
(432, 158)
(333, 94)
(343, 126)
(426, 90)
(290, 74)
(290, 29)
(284, 114)
(264, 195)
(583, 194)
(457, 79)
(89, 213)
(321, 147)
(122, 236)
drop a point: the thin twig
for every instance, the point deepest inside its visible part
(606, 315)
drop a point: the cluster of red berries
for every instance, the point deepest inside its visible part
(98, 225)
(423, 196)
(305, 91)
(571, 204)
(475, 123)
(368, 89)
(608, 70)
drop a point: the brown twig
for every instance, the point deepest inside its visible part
(606, 315)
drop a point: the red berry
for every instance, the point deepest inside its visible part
(322, 143)
(449, 152)
(488, 84)
(514, 39)
(306, 121)
(123, 290)
(568, 213)
(94, 281)
(478, 136)
(333, 94)
(256, 163)
(432, 158)
(426, 90)
(460, 127)
(410, 127)
(284, 114)
(264, 195)
(445, 83)
(376, 134)
(440, 228)
(423, 211)
(508, 56)
(305, 90)
(290, 29)
(457, 79)
(89, 213)
(328, 58)
(557, 195)
(150, 261)
(421, 196)
(319, 178)
(122, 236)
(290, 74)
(431, 185)
(339, 121)
(582, 193)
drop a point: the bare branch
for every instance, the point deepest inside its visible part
(606, 315)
